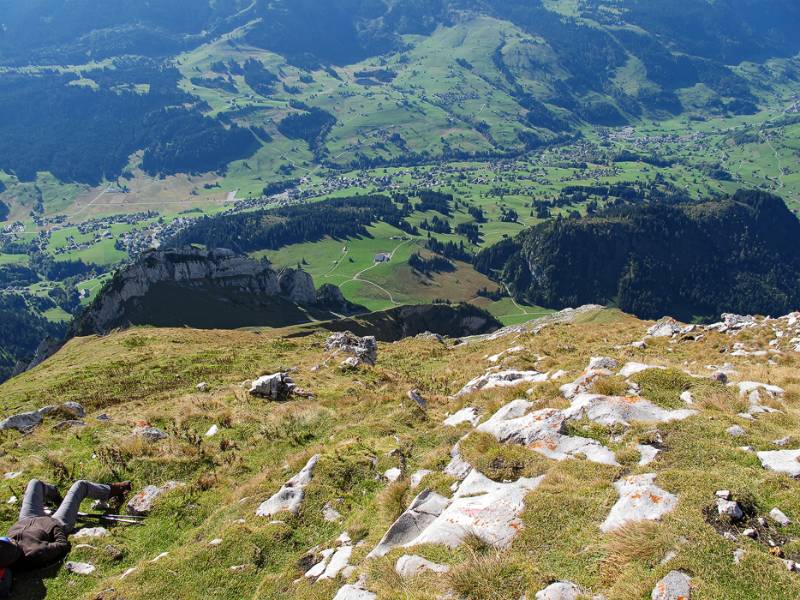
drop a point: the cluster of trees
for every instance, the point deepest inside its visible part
(278, 187)
(311, 126)
(451, 250)
(427, 266)
(436, 225)
(470, 231)
(438, 201)
(272, 229)
(259, 77)
(4, 210)
(690, 260)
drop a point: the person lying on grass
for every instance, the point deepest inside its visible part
(38, 539)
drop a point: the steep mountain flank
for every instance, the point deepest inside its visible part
(689, 260)
(207, 289)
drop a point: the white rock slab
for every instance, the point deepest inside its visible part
(457, 467)
(393, 474)
(482, 507)
(90, 532)
(647, 454)
(779, 517)
(212, 431)
(337, 563)
(142, 503)
(675, 586)
(465, 415)
(353, 592)
(736, 431)
(501, 379)
(781, 461)
(560, 590)
(541, 431)
(621, 410)
(290, 496)
(417, 477)
(330, 514)
(562, 447)
(319, 568)
(496, 357)
(666, 327)
(410, 565)
(79, 568)
(424, 509)
(640, 500)
(602, 362)
(746, 387)
(632, 368)
(514, 423)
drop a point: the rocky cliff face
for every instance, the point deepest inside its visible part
(219, 275)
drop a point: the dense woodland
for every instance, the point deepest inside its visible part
(21, 331)
(338, 218)
(79, 134)
(691, 260)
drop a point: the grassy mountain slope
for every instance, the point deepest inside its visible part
(358, 421)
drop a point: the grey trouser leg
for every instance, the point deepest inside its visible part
(35, 495)
(67, 513)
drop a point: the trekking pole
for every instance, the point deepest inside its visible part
(125, 519)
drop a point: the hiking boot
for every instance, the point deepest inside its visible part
(120, 489)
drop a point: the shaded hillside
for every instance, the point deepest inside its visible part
(407, 321)
(22, 329)
(214, 289)
(689, 260)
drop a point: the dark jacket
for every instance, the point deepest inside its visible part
(42, 541)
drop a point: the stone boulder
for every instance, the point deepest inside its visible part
(27, 421)
(149, 433)
(278, 387)
(560, 590)
(365, 349)
(79, 568)
(666, 327)
(416, 397)
(675, 586)
(72, 409)
(290, 497)
(90, 533)
(142, 503)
